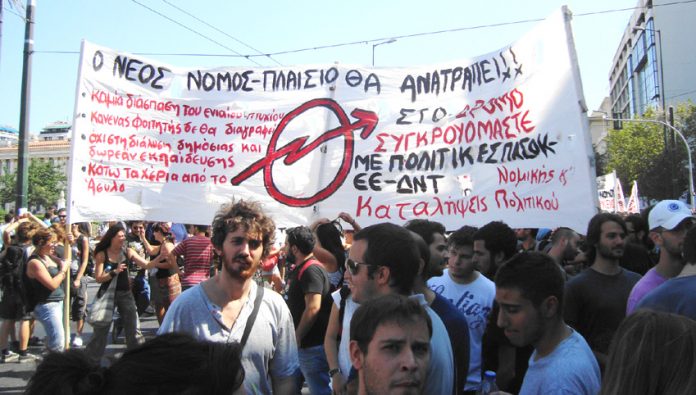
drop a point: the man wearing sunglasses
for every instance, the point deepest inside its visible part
(669, 220)
(231, 307)
(384, 260)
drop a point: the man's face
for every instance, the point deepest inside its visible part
(673, 240)
(611, 241)
(631, 236)
(137, 228)
(522, 233)
(397, 359)
(461, 262)
(361, 286)
(571, 249)
(482, 257)
(62, 216)
(438, 255)
(241, 253)
(519, 319)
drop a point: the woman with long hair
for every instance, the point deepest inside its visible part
(110, 264)
(168, 284)
(46, 273)
(652, 353)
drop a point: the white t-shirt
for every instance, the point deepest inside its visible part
(474, 301)
(343, 351)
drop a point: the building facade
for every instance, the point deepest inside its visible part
(52, 145)
(654, 62)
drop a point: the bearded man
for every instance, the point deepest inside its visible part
(595, 299)
(226, 307)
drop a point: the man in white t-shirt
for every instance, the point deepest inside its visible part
(472, 294)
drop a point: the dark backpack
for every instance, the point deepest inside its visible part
(11, 270)
(28, 293)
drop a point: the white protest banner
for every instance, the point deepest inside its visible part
(498, 137)
(606, 192)
(633, 205)
(620, 199)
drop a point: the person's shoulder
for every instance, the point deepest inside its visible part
(580, 279)
(439, 280)
(449, 314)
(483, 282)
(631, 276)
(273, 299)
(575, 358)
(192, 295)
(315, 267)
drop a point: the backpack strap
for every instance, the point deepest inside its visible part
(252, 316)
(306, 265)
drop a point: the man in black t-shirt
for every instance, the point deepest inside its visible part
(309, 301)
(595, 299)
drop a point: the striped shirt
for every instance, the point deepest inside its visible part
(198, 255)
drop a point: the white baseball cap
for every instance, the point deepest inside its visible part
(668, 214)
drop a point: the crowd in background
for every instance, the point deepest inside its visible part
(408, 308)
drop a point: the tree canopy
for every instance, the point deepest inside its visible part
(45, 184)
(639, 152)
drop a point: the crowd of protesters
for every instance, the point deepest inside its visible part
(389, 308)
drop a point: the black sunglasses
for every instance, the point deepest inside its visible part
(352, 265)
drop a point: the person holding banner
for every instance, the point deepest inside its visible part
(46, 274)
(110, 260)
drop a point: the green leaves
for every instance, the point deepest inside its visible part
(45, 183)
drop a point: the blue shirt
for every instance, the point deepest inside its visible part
(675, 295)
(570, 369)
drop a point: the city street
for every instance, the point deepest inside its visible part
(14, 376)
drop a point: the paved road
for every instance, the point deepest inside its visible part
(14, 376)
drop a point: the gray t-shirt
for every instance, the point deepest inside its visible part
(270, 352)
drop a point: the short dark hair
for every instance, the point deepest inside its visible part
(561, 233)
(594, 232)
(463, 236)
(201, 228)
(425, 228)
(689, 246)
(392, 246)
(499, 237)
(535, 275)
(172, 363)
(385, 309)
(639, 223)
(135, 222)
(247, 214)
(302, 238)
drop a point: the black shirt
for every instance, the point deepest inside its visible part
(315, 280)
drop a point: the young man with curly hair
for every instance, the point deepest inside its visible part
(230, 307)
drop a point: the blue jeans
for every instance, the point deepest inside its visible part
(50, 315)
(315, 369)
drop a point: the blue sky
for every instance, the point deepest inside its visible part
(274, 26)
